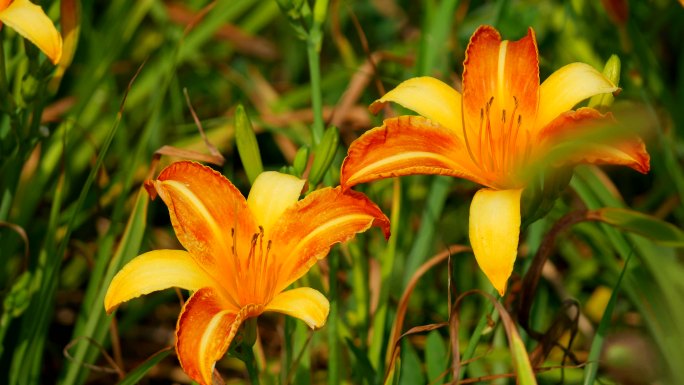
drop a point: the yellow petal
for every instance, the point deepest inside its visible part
(31, 22)
(429, 97)
(568, 86)
(494, 231)
(305, 303)
(204, 331)
(152, 271)
(272, 193)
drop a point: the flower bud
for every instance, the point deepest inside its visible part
(325, 153)
(612, 71)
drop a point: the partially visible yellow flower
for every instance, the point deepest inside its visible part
(31, 22)
(504, 123)
(241, 254)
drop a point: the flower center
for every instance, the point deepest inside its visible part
(498, 147)
(255, 277)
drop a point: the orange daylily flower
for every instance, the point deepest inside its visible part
(491, 134)
(31, 22)
(241, 254)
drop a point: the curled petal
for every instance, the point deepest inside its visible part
(152, 271)
(272, 193)
(429, 97)
(307, 230)
(209, 216)
(407, 145)
(575, 127)
(494, 231)
(31, 22)
(500, 76)
(304, 303)
(568, 86)
(205, 329)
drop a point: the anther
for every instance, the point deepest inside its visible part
(232, 236)
(503, 116)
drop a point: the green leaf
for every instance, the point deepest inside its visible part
(435, 357)
(411, 372)
(247, 145)
(363, 364)
(521, 360)
(645, 225)
(597, 343)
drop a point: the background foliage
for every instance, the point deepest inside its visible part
(72, 211)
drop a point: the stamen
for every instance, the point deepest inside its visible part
(490, 137)
(252, 249)
(270, 281)
(465, 133)
(261, 244)
(480, 137)
(232, 247)
(513, 134)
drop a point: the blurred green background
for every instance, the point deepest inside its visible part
(72, 211)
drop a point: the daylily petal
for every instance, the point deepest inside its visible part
(205, 209)
(31, 22)
(407, 145)
(205, 329)
(494, 231)
(429, 97)
(625, 151)
(503, 75)
(152, 271)
(568, 86)
(272, 193)
(304, 303)
(308, 229)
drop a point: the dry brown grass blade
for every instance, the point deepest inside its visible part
(566, 319)
(114, 367)
(189, 154)
(357, 85)
(402, 307)
(242, 41)
(212, 149)
(395, 348)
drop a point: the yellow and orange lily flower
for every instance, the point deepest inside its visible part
(31, 22)
(491, 135)
(241, 254)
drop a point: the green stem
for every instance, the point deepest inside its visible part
(316, 97)
(333, 340)
(313, 50)
(250, 363)
(379, 321)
